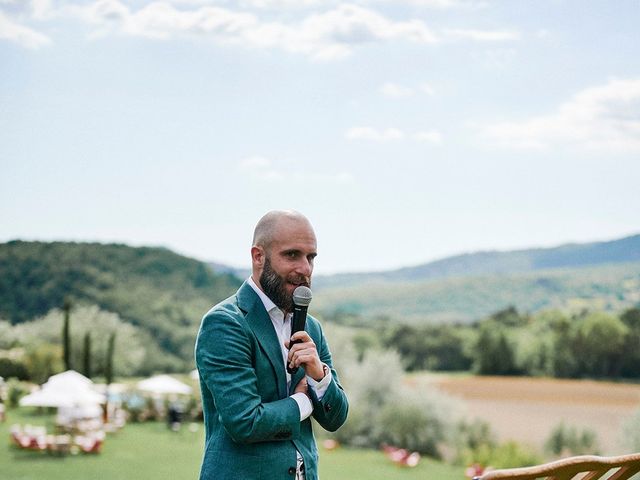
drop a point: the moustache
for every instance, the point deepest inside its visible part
(299, 280)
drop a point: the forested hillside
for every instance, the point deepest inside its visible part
(162, 294)
(612, 287)
(159, 297)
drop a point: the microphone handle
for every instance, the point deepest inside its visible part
(297, 325)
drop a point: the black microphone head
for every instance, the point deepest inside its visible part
(302, 296)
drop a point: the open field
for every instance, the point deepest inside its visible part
(524, 409)
(527, 409)
(151, 452)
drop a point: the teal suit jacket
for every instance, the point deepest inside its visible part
(252, 426)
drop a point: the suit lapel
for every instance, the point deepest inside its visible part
(259, 321)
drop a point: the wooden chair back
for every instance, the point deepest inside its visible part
(585, 467)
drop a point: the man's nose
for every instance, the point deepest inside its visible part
(305, 267)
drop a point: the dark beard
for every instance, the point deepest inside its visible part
(273, 285)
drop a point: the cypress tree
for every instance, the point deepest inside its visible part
(66, 335)
(87, 355)
(108, 365)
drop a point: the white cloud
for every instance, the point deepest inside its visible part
(606, 117)
(372, 134)
(282, 3)
(440, 4)
(330, 34)
(326, 36)
(430, 136)
(428, 89)
(395, 90)
(41, 9)
(256, 162)
(24, 36)
(482, 35)
(543, 33)
(392, 134)
(496, 58)
(261, 168)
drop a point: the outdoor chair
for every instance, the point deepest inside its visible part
(585, 467)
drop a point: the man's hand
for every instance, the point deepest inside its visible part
(305, 355)
(302, 387)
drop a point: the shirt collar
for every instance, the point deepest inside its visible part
(266, 301)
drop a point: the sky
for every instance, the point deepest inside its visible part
(406, 130)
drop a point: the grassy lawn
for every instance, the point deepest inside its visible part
(151, 451)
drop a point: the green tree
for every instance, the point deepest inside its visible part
(133, 344)
(43, 360)
(630, 364)
(494, 354)
(66, 334)
(87, 355)
(598, 343)
(111, 347)
(564, 362)
(509, 317)
(568, 440)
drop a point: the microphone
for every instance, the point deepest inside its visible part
(301, 300)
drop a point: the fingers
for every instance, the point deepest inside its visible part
(298, 341)
(302, 353)
(306, 356)
(301, 336)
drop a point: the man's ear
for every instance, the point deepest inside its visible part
(257, 256)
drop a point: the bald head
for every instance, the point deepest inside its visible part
(271, 223)
(282, 255)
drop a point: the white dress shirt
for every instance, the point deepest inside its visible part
(282, 326)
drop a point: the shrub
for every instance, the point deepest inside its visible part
(567, 440)
(470, 437)
(510, 455)
(10, 368)
(418, 421)
(43, 360)
(382, 410)
(631, 432)
(130, 344)
(15, 391)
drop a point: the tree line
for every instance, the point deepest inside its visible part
(549, 343)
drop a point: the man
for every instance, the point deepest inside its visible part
(257, 416)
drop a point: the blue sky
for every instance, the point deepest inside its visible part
(406, 130)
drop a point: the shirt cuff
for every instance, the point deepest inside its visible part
(320, 387)
(304, 405)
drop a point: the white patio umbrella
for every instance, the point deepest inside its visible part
(164, 385)
(69, 379)
(46, 398)
(67, 389)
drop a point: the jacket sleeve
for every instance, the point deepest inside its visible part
(331, 411)
(224, 356)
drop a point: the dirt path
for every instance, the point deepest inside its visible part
(527, 409)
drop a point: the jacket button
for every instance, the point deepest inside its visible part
(327, 408)
(292, 470)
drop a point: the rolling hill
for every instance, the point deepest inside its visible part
(463, 299)
(486, 263)
(162, 294)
